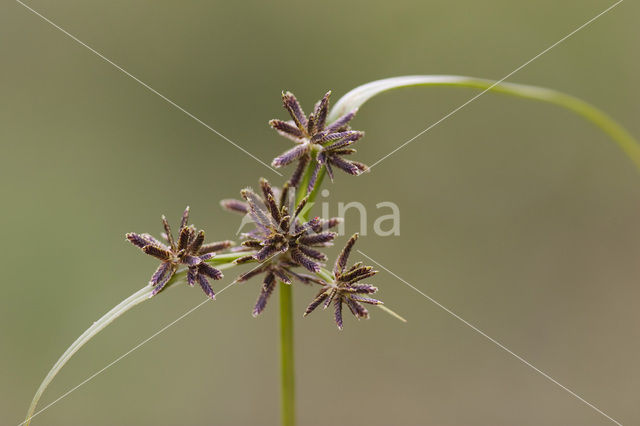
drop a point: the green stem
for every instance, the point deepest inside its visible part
(287, 364)
(358, 96)
(287, 356)
(325, 274)
(135, 299)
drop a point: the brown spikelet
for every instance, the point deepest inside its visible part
(167, 231)
(244, 259)
(157, 252)
(138, 240)
(292, 105)
(267, 288)
(236, 206)
(298, 257)
(321, 110)
(185, 218)
(297, 174)
(318, 240)
(286, 128)
(215, 247)
(342, 122)
(343, 258)
(338, 313)
(291, 155)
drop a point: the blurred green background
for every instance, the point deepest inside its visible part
(520, 217)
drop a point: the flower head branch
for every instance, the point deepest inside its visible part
(347, 288)
(188, 250)
(330, 142)
(282, 240)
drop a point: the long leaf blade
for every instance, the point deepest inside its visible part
(361, 94)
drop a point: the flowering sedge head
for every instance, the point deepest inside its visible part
(188, 250)
(281, 239)
(330, 142)
(347, 288)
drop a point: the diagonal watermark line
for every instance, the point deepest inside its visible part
(494, 341)
(91, 377)
(496, 83)
(146, 86)
(124, 355)
(136, 347)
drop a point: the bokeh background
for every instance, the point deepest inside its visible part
(519, 216)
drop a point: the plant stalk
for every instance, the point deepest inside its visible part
(287, 356)
(287, 363)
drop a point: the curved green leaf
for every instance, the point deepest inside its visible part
(135, 299)
(358, 96)
(128, 303)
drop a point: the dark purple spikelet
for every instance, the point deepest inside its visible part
(331, 142)
(281, 240)
(188, 250)
(235, 206)
(345, 288)
(267, 288)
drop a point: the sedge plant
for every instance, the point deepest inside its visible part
(285, 248)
